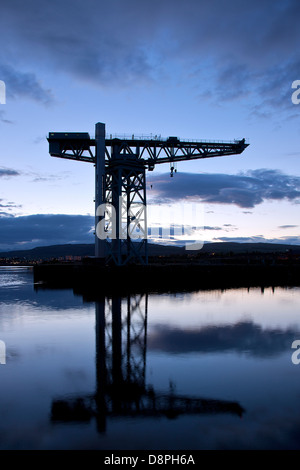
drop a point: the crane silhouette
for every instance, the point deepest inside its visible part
(121, 388)
(120, 181)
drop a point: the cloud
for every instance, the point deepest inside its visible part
(26, 232)
(8, 205)
(288, 226)
(244, 338)
(245, 190)
(128, 41)
(6, 208)
(261, 239)
(3, 119)
(4, 214)
(42, 178)
(74, 42)
(23, 84)
(208, 227)
(8, 172)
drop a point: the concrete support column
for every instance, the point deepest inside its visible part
(100, 245)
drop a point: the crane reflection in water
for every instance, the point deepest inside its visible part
(121, 389)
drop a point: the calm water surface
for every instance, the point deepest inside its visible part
(201, 370)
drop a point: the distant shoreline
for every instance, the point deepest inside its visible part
(165, 277)
(80, 251)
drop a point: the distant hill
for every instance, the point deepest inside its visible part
(227, 247)
(52, 251)
(61, 251)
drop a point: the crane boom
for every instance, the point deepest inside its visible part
(147, 151)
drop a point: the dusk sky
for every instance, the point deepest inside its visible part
(207, 70)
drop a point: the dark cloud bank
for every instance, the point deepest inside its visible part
(244, 190)
(243, 337)
(44, 229)
(244, 47)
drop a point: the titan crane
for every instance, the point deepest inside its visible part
(120, 183)
(121, 388)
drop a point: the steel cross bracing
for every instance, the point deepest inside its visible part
(125, 339)
(121, 387)
(120, 183)
(125, 189)
(148, 152)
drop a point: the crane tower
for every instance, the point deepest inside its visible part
(120, 181)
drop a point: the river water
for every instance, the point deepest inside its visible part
(201, 370)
